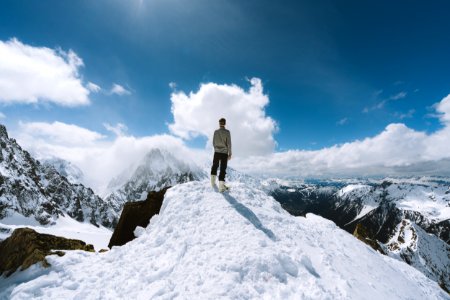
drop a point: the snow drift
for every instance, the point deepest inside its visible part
(240, 245)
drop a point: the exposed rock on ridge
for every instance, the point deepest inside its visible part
(26, 247)
(135, 214)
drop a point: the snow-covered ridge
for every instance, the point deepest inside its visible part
(208, 245)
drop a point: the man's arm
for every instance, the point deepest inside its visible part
(229, 145)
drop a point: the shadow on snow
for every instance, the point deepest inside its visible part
(249, 215)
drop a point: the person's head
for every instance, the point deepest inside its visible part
(222, 122)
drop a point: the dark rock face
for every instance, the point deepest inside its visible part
(26, 247)
(364, 235)
(33, 189)
(136, 214)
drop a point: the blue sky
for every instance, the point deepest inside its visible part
(320, 62)
(333, 71)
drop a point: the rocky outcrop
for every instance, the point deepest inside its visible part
(135, 214)
(363, 234)
(26, 247)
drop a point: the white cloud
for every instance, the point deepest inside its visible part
(119, 90)
(397, 145)
(396, 148)
(398, 96)
(2, 115)
(99, 158)
(38, 74)
(443, 109)
(197, 114)
(119, 130)
(342, 121)
(406, 115)
(60, 133)
(381, 103)
(93, 87)
(173, 85)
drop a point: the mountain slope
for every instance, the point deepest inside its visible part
(157, 170)
(30, 188)
(241, 245)
(65, 168)
(421, 250)
(381, 207)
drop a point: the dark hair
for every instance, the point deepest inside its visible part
(222, 121)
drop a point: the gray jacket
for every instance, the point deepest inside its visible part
(222, 141)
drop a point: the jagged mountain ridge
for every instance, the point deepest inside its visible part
(157, 170)
(423, 251)
(381, 206)
(37, 190)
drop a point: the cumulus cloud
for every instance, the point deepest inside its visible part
(443, 110)
(31, 74)
(396, 148)
(197, 114)
(100, 158)
(119, 90)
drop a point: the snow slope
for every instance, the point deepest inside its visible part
(241, 245)
(64, 226)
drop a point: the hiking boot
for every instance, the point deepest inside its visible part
(223, 187)
(213, 180)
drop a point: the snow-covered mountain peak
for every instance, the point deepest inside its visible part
(159, 168)
(65, 168)
(160, 161)
(237, 245)
(3, 132)
(354, 190)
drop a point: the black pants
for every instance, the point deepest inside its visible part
(221, 158)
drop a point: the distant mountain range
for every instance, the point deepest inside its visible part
(51, 188)
(409, 219)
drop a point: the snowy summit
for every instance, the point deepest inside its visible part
(236, 245)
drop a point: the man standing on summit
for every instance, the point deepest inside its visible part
(222, 153)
